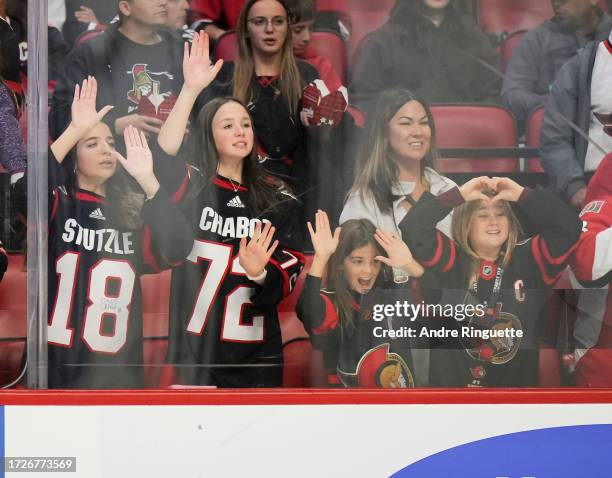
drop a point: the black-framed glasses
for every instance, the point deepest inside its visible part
(261, 23)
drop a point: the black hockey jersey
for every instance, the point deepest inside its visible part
(359, 355)
(498, 355)
(224, 328)
(95, 314)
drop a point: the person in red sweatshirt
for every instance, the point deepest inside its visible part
(592, 266)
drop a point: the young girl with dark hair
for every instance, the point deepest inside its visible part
(224, 329)
(110, 222)
(356, 258)
(269, 81)
(431, 47)
(507, 276)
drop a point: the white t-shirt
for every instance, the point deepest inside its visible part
(360, 206)
(601, 102)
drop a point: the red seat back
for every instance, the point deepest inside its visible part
(534, 130)
(226, 47)
(550, 367)
(512, 15)
(13, 305)
(329, 45)
(155, 307)
(509, 45)
(365, 16)
(475, 126)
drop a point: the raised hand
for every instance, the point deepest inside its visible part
(84, 114)
(197, 70)
(139, 162)
(398, 254)
(255, 254)
(506, 189)
(323, 241)
(474, 189)
(86, 15)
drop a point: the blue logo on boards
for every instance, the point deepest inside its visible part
(566, 452)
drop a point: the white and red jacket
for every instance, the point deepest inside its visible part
(593, 266)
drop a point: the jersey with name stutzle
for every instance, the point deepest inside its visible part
(94, 330)
(503, 359)
(224, 327)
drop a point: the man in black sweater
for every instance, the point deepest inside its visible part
(138, 67)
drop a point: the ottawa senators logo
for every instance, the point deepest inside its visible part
(494, 350)
(379, 368)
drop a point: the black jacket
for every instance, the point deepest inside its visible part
(95, 57)
(441, 64)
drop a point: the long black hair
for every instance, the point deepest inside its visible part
(263, 190)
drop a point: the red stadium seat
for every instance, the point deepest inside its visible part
(330, 45)
(365, 16)
(303, 365)
(512, 15)
(155, 306)
(509, 45)
(550, 367)
(13, 303)
(534, 129)
(475, 126)
(226, 46)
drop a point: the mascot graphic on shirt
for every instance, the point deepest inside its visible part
(379, 368)
(145, 93)
(494, 350)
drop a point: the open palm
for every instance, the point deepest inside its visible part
(84, 114)
(197, 70)
(323, 241)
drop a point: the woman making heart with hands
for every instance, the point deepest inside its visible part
(506, 276)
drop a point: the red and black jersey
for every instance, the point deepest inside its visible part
(95, 324)
(524, 282)
(592, 266)
(224, 328)
(281, 137)
(356, 355)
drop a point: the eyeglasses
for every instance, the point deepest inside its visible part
(261, 23)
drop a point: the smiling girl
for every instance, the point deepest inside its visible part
(356, 259)
(269, 80)
(489, 262)
(246, 255)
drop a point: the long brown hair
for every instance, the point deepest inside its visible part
(355, 233)
(124, 196)
(290, 81)
(376, 172)
(463, 217)
(263, 191)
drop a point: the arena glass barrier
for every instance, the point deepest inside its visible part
(324, 421)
